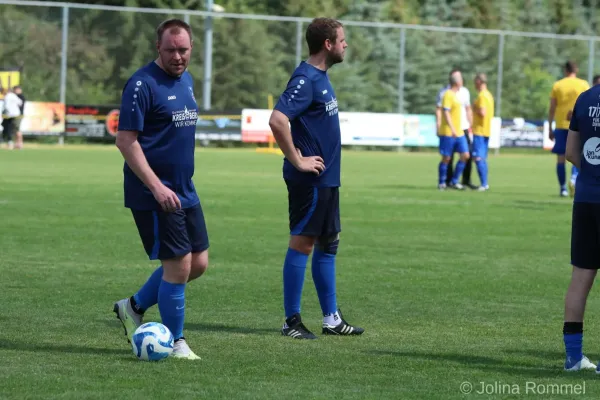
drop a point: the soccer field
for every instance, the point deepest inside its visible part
(451, 287)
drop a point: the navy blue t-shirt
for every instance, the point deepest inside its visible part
(310, 104)
(163, 110)
(586, 121)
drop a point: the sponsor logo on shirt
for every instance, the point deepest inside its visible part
(331, 107)
(591, 150)
(185, 117)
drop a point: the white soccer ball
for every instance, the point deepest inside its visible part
(152, 341)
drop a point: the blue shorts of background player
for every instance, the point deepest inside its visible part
(448, 146)
(480, 153)
(560, 147)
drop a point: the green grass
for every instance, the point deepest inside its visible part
(450, 286)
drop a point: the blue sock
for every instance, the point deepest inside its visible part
(573, 345)
(294, 270)
(171, 304)
(442, 173)
(147, 296)
(482, 170)
(574, 173)
(561, 172)
(460, 167)
(323, 273)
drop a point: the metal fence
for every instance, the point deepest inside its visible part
(399, 64)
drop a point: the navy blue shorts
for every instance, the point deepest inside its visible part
(168, 235)
(313, 211)
(560, 141)
(585, 235)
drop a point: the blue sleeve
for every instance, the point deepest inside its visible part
(135, 104)
(297, 97)
(574, 123)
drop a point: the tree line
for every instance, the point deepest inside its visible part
(253, 59)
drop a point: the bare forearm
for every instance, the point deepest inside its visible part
(438, 118)
(135, 158)
(575, 159)
(449, 121)
(283, 137)
(551, 116)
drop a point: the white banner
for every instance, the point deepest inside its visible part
(494, 142)
(372, 129)
(362, 129)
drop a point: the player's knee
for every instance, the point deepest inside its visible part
(199, 265)
(446, 159)
(329, 244)
(302, 244)
(560, 159)
(177, 270)
(465, 157)
(477, 159)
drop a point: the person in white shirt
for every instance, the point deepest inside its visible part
(466, 121)
(10, 117)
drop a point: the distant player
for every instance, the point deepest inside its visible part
(466, 120)
(452, 138)
(483, 112)
(562, 99)
(156, 136)
(583, 150)
(311, 170)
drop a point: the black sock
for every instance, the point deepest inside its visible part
(135, 306)
(571, 328)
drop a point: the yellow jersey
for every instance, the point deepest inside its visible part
(451, 103)
(482, 126)
(565, 92)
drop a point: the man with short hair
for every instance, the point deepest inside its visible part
(452, 138)
(483, 112)
(466, 120)
(595, 80)
(562, 99)
(156, 137)
(311, 170)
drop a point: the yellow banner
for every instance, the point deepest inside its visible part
(9, 79)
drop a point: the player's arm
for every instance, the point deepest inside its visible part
(551, 112)
(446, 107)
(448, 119)
(130, 124)
(292, 103)
(480, 111)
(573, 150)
(438, 118)
(438, 112)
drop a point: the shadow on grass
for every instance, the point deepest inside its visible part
(551, 368)
(210, 327)
(6, 344)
